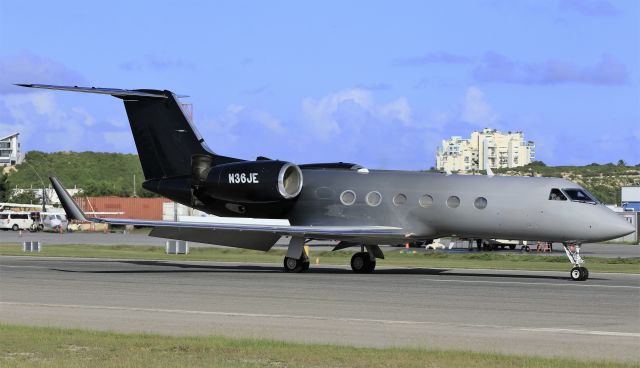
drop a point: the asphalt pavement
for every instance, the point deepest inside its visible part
(597, 250)
(515, 312)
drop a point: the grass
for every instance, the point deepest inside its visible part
(22, 346)
(397, 257)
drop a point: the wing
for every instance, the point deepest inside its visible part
(251, 236)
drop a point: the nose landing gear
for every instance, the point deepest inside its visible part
(578, 272)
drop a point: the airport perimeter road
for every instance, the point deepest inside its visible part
(596, 250)
(531, 313)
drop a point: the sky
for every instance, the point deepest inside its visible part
(379, 83)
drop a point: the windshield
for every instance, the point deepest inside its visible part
(556, 195)
(580, 195)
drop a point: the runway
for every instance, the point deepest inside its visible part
(47, 238)
(515, 312)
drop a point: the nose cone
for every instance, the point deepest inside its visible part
(616, 227)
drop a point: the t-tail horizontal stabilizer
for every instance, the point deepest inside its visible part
(122, 93)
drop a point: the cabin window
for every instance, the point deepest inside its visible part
(579, 195)
(453, 202)
(374, 198)
(480, 203)
(556, 195)
(426, 201)
(399, 199)
(348, 197)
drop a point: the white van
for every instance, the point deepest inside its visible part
(54, 221)
(15, 221)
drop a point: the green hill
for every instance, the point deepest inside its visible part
(604, 181)
(98, 173)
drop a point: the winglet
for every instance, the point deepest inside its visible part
(490, 172)
(70, 207)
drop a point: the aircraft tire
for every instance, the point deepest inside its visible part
(295, 265)
(577, 274)
(371, 266)
(585, 273)
(362, 263)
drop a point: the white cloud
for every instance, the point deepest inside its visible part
(397, 110)
(330, 114)
(235, 115)
(321, 113)
(42, 122)
(26, 67)
(476, 110)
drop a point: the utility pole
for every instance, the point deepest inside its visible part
(44, 196)
(134, 185)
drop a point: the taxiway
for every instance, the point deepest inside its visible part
(515, 312)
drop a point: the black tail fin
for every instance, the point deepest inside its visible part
(165, 138)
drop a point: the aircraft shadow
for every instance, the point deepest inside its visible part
(170, 267)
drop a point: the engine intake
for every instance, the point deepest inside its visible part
(251, 181)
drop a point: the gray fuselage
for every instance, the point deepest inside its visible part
(515, 207)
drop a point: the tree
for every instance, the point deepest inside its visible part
(537, 163)
(622, 163)
(3, 187)
(25, 196)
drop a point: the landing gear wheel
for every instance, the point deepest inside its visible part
(576, 274)
(361, 263)
(579, 274)
(295, 265)
(585, 273)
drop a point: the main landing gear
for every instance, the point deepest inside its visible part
(363, 262)
(578, 272)
(296, 259)
(296, 265)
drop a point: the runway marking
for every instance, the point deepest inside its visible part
(320, 318)
(581, 332)
(533, 283)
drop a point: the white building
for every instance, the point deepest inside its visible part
(488, 148)
(49, 192)
(10, 150)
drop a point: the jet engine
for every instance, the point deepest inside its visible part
(261, 181)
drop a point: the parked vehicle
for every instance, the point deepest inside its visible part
(54, 221)
(15, 221)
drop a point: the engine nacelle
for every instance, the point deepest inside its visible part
(252, 181)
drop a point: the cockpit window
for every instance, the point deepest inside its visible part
(580, 195)
(556, 195)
